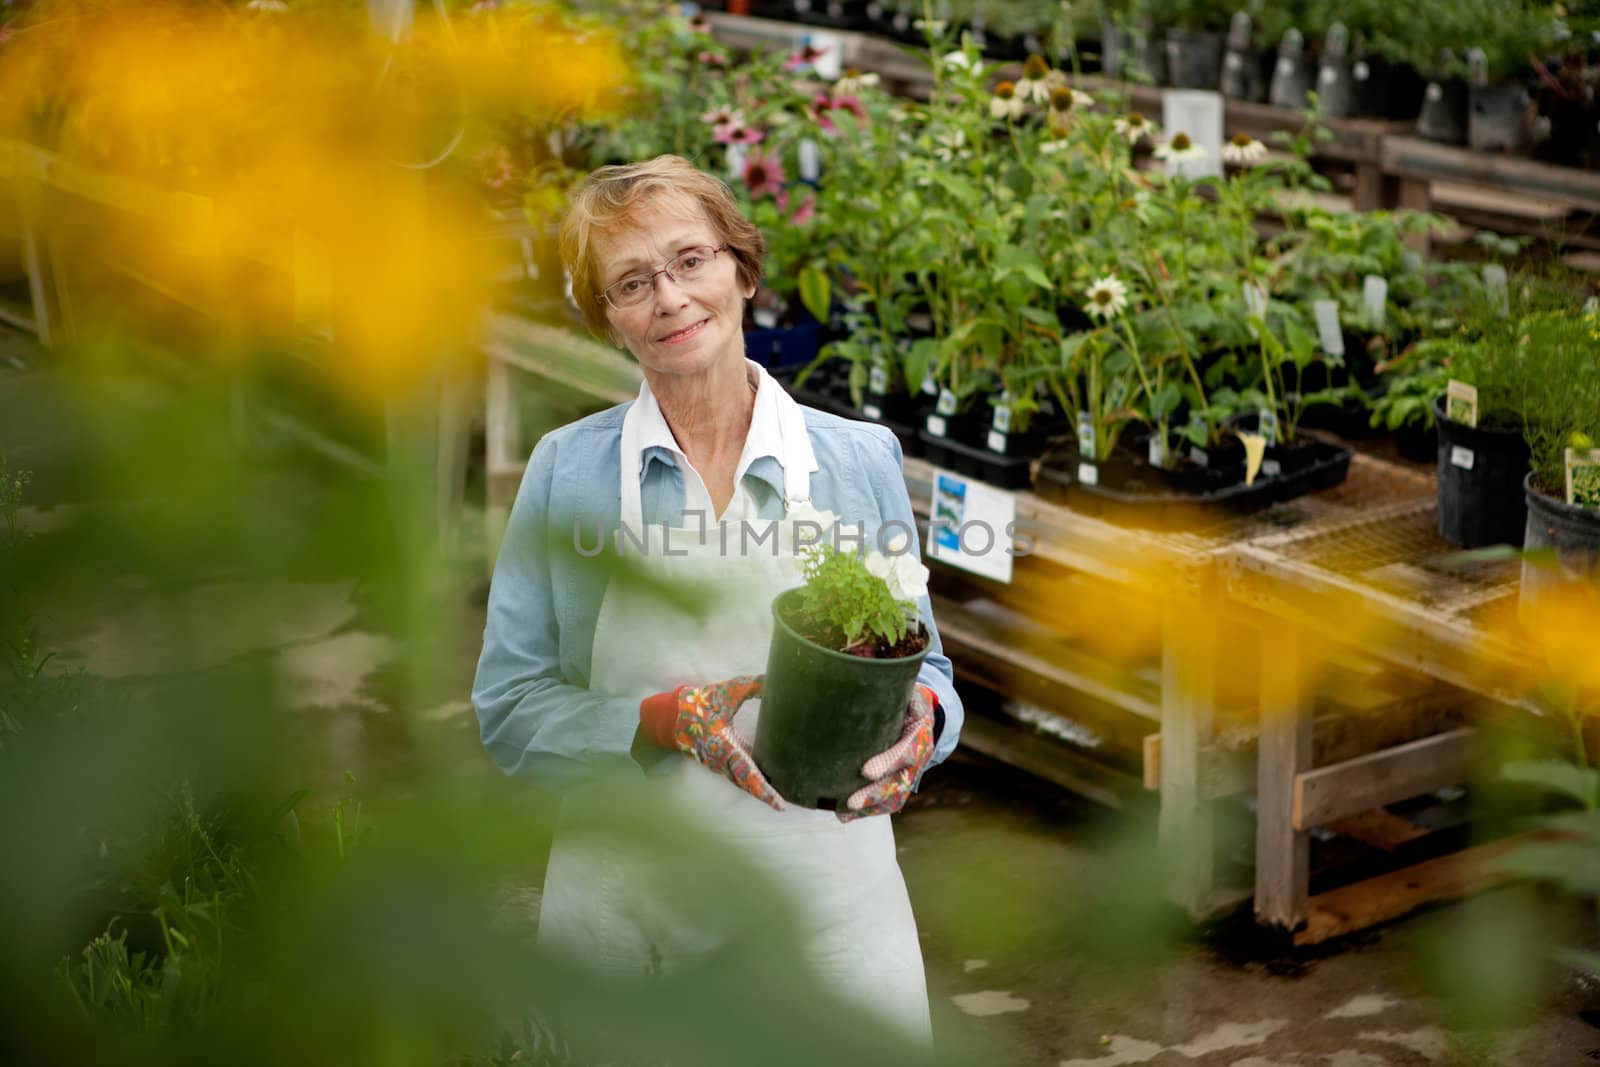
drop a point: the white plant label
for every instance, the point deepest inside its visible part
(1361, 72)
(1591, 305)
(1461, 402)
(947, 402)
(936, 425)
(872, 411)
(1494, 279)
(972, 526)
(1156, 453)
(810, 162)
(1411, 260)
(1327, 75)
(1271, 468)
(1088, 474)
(929, 386)
(1085, 434)
(878, 380)
(1462, 457)
(1375, 296)
(736, 158)
(1255, 304)
(1327, 316)
(766, 318)
(1002, 418)
(1267, 426)
(997, 441)
(1116, 393)
(1435, 92)
(1197, 113)
(1198, 457)
(827, 66)
(1285, 66)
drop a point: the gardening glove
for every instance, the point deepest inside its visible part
(698, 720)
(895, 772)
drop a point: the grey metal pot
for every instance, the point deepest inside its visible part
(1335, 89)
(1497, 115)
(1243, 76)
(1194, 59)
(1294, 74)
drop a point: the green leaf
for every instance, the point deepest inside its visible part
(1580, 783)
(815, 291)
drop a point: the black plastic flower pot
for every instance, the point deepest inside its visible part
(825, 713)
(1571, 534)
(1146, 59)
(1194, 59)
(1480, 483)
(1443, 116)
(1247, 73)
(1113, 49)
(1292, 78)
(1497, 118)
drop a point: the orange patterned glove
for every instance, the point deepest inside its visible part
(698, 720)
(894, 772)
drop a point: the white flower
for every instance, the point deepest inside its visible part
(1243, 150)
(1050, 148)
(936, 26)
(1005, 103)
(956, 60)
(723, 116)
(949, 143)
(853, 82)
(274, 6)
(806, 527)
(1107, 297)
(1179, 148)
(906, 578)
(1133, 126)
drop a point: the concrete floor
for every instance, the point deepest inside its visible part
(1041, 931)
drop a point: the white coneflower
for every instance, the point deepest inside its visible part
(1134, 126)
(948, 144)
(1005, 103)
(956, 60)
(1034, 85)
(935, 26)
(1179, 148)
(1050, 148)
(1244, 150)
(1107, 298)
(853, 82)
(1136, 205)
(1065, 104)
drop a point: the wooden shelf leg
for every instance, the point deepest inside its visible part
(1283, 854)
(1188, 697)
(504, 458)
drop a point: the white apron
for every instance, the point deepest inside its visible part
(850, 899)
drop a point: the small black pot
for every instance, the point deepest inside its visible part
(1247, 74)
(1480, 483)
(1573, 533)
(1146, 57)
(825, 713)
(1194, 59)
(1443, 116)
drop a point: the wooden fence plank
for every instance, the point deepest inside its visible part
(1379, 778)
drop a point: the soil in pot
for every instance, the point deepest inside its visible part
(1481, 470)
(1571, 533)
(825, 712)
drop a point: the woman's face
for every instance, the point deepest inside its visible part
(677, 329)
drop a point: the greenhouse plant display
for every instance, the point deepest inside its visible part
(846, 647)
(1192, 40)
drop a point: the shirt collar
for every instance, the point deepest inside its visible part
(762, 455)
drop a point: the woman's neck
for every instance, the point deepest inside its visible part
(709, 414)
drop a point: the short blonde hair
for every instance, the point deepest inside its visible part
(611, 194)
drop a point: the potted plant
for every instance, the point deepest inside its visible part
(846, 649)
(1507, 39)
(1193, 39)
(1563, 425)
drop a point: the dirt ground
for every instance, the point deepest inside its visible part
(1042, 931)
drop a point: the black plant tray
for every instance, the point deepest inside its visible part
(1010, 471)
(835, 404)
(1312, 466)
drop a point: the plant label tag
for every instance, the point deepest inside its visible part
(1085, 434)
(810, 163)
(1411, 260)
(1255, 304)
(1116, 393)
(1156, 453)
(878, 380)
(1198, 456)
(872, 411)
(1271, 468)
(1583, 478)
(1494, 280)
(1461, 402)
(1462, 457)
(827, 64)
(929, 386)
(997, 442)
(947, 402)
(974, 526)
(766, 318)
(1434, 92)
(1197, 113)
(1327, 315)
(1088, 474)
(1360, 72)
(936, 425)
(1592, 305)
(1375, 295)
(1267, 426)
(736, 158)
(1002, 418)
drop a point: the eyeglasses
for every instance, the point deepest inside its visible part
(684, 268)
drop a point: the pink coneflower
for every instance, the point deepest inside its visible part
(823, 104)
(736, 133)
(723, 116)
(763, 175)
(712, 59)
(700, 24)
(494, 165)
(802, 214)
(807, 56)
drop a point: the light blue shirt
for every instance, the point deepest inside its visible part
(536, 714)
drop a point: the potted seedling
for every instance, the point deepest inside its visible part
(845, 652)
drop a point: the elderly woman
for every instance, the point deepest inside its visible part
(578, 672)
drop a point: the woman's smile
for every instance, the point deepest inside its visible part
(680, 336)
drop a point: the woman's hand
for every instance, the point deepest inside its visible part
(698, 720)
(894, 772)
